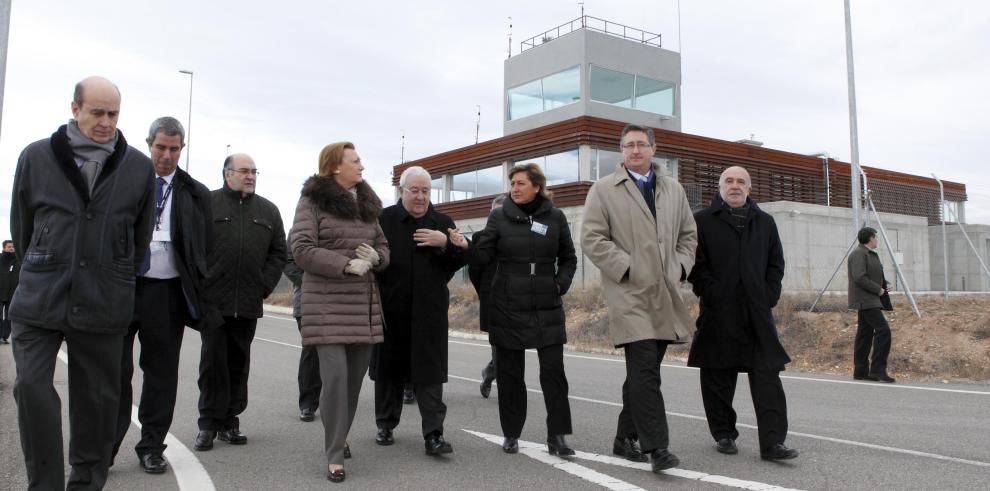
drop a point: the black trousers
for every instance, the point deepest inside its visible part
(388, 404)
(94, 390)
(309, 376)
(873, 331)
(159, 324)
(718, 386)
(5, 319)
(512, 390)
(643, 414)
(224, 362)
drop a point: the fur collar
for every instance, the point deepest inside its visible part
(330, 197)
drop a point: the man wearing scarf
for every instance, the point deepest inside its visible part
(738, 269)
(81, 218)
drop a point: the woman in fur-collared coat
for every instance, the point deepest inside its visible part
(338, 243)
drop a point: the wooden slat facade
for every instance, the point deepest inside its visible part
(776, 175)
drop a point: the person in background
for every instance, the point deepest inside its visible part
(481, 275)
(10, 268)
(337, 242)
(867, 286)
(245, 265)
(426, 251)
(308, 376)
(530, 241)
(738, 270)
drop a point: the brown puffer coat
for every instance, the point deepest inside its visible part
(337, 307)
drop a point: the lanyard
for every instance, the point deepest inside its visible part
(160, 206)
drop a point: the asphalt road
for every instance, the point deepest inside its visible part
(851, 435)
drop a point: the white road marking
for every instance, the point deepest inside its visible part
(905, 451)
(188, 470)
(782, 376)
(536, 451)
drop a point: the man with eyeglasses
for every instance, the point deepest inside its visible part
(639, 231)
(425, 250)
(245, 264)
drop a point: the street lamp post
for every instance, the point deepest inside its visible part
(189, 119)
(853, 127)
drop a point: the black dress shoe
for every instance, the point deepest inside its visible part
(153, 464)
(408, 396)
(307, 415)
(726, 446)
(436, 445)
(347, 451)
(882, 377)
(558, 446)
(486, 383)
(628, 448)
(232, 436)
(384, 437)
(510, 445)
(663, 460)
(204, 440)
(337, 475)
(778, 452)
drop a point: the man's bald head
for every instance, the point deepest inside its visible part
(240, 173)
(96, 107)
(734, 186)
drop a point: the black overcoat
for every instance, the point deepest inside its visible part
(533, 271)
(481, 272)
(737, 274)
(415, 299)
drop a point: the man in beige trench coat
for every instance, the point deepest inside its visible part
(639, 231)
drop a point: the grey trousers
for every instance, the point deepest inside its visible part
(342, 370)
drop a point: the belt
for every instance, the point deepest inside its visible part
(531, 269)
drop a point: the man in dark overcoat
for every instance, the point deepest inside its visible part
(169, 295)
(867, 288)
(81, 219)
(426, 251)
(738, 269)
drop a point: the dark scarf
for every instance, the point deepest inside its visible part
(737, 216)
(532, 206)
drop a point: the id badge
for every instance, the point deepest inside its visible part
(540, 228)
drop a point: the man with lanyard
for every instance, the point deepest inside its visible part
(168, 296)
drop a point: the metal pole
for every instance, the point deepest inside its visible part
(945, 251)
(853, 127)
(841, 262)
(4, 35)
(477, 126)
(189, 120)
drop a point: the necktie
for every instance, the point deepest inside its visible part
(159, 209)
(90, 169)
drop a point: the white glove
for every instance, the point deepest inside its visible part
(357, 267)
(368, 253)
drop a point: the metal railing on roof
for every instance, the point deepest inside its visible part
(594, 24)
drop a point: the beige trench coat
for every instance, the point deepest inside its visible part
(641, 259)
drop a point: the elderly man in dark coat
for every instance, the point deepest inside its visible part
(737, 273)
(426, 251)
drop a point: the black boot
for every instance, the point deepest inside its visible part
(558, 446)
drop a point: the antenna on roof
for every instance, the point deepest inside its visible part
(402, 152)
(582, 13)
(477, 125)
(510, 38)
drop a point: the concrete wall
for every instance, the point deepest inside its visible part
(965, 272)
(815, 240)
(582, 47)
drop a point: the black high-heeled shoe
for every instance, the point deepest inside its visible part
(558, 446)
(510, 445)
(336, 475)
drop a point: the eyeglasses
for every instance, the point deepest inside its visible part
(245, 172)
(639, 145)
(419, 191)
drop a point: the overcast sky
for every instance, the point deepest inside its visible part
(279, 80)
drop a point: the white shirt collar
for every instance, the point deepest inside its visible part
(640, 177)
(168, 178)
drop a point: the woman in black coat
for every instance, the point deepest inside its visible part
(531, 244)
